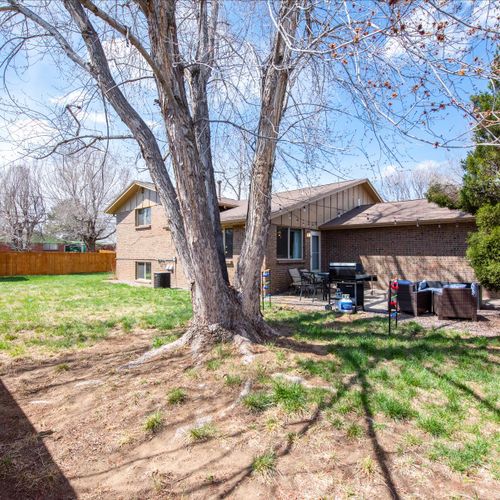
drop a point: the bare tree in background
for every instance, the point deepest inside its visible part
(22, 207)
(80, 188)
(409, 184)
(312, 60)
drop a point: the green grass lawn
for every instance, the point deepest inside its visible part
(437, 391)
(442, 386)
(58, 312)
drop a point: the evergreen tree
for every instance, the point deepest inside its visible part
(481, 182)
(480, 191)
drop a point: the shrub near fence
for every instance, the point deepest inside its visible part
(26, 263)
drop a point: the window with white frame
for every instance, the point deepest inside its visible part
(143, 216)
(143, 271)
(289, 243)
(50, 247)
(227, 235)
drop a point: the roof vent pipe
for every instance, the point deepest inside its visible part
(219, 184)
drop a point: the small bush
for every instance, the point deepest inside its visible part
(63, 367)
(291, 397)
(176, 396)
(232, 380)
(484, 246)
(258, 401)
(354, 431)
(394, 408)
(435, 425)
(154, 422)
(128, 323)
(367, 466)
(214, 364)
(264, 464)
(337, 423)
(203, 432)
(412, 440)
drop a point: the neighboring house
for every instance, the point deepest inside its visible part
(41, 243)
(344, 221)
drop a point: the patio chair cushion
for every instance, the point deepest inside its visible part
(405, 282)
(456, 285)
(422, 285)
(474, 289)
(434, 284)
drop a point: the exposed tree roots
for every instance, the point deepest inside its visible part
(200, 338)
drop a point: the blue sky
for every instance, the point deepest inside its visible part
(42, 85)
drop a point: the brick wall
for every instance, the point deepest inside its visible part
(155, 243)
(145, 245)
(408, 252)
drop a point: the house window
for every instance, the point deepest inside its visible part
(143, 271)
(289, 243)
(143, 217)
(50, 247)
(227, 235)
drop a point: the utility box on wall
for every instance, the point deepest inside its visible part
(161, 280)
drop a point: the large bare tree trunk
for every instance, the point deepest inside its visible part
(274, 90)
(218, 310)
(199, 75)
(214, 302)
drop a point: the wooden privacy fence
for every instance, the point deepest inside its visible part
(19, 263)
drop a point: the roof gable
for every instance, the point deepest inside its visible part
(133, 188)
(288, 201)
(127, 194)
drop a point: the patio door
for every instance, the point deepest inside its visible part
(315, 251)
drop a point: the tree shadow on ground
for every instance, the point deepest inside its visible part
(361, 345)
(27, 469)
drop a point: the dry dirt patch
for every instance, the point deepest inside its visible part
(88, 419)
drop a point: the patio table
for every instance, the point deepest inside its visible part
(325, 279)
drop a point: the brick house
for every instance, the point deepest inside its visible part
(344, 221)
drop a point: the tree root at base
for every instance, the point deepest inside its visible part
(202, 338)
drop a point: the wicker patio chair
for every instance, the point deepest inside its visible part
(456, 303)
(413, 301)
(298, 283)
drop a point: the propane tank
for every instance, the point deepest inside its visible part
(345, 304)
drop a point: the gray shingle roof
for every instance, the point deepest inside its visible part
(397, 213)
(289, 200)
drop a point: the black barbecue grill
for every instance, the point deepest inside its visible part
(349, 278)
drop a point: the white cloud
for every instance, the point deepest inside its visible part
(20, 137)
(486, 13)
(424, 17)
(424, 166)
(94, 117)
(75, 98)
(388, 171)
(429, 165)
